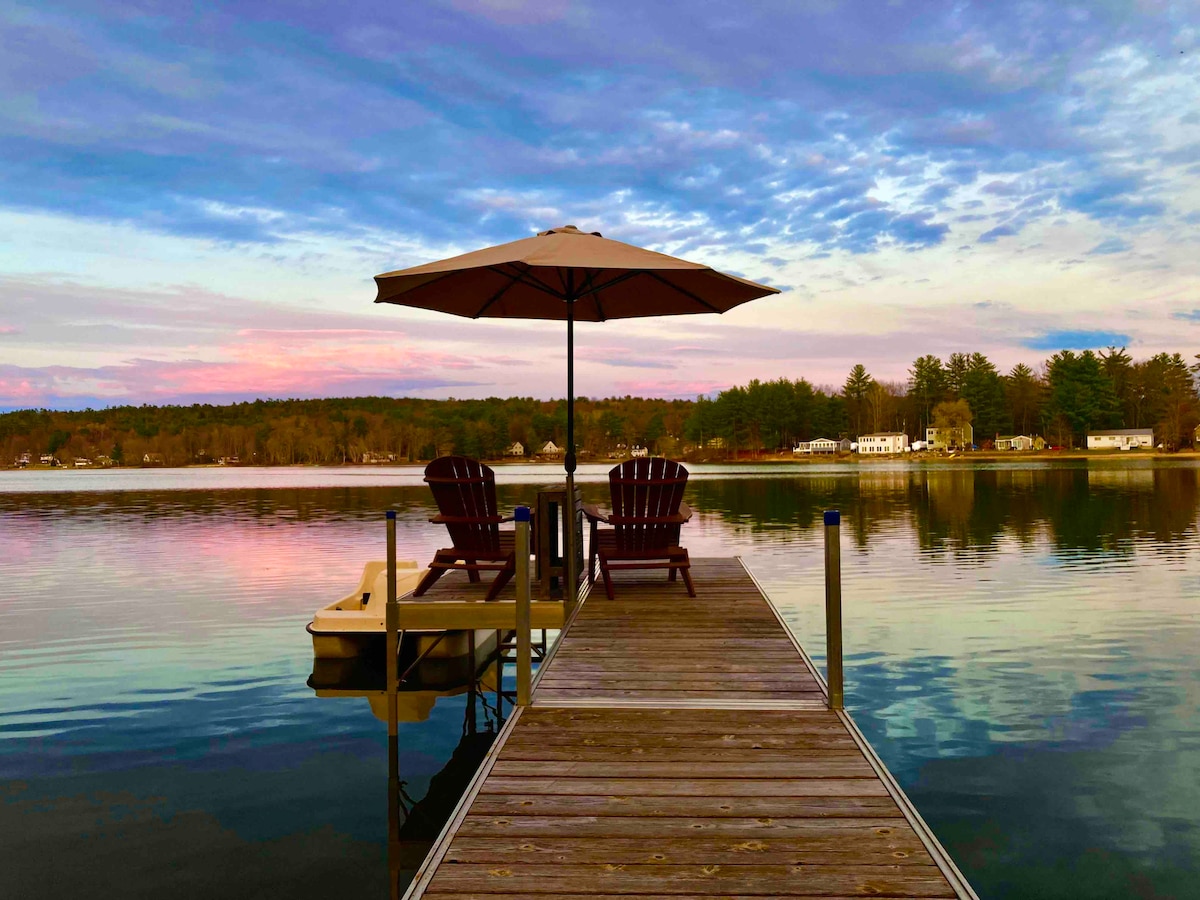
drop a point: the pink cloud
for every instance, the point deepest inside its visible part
(9, 329)
(670, 389)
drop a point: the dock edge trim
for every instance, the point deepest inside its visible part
(544, 663)
(795, 641)
(944, 862)
(420, 882)
(924, 832)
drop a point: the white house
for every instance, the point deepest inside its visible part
(883, 442)
(82, 462)
(639, 452)
(517, 449)
(551, 449)
(1121, 439)
(802, 448)
(827, 446)
(958, 438)
(1019, 442)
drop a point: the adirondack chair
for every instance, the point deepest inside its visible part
(465, 492)
(647, 514)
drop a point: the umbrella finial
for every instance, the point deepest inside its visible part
(568, 229)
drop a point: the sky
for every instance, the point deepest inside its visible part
(194, 198)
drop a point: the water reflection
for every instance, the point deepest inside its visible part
(1099, 506)
(1022, 650)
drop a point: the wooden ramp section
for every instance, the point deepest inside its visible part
(655, 645)
(683, 748)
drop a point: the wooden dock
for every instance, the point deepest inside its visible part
(683, 747)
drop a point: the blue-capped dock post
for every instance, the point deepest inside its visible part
(833, 606)
(392, 622)
(524, 589)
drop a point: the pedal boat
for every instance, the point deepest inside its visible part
(356, 624)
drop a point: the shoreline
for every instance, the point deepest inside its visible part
(1047, 456)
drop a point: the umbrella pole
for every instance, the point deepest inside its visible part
(569, 569)
(569, 462)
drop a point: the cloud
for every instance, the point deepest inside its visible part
(289, 152)
(1109, 246)
(994, 234)
(1076, 340)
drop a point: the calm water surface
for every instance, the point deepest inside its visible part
(1022, 641)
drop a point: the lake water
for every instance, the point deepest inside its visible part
(1023, 650)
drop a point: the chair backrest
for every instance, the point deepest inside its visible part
(465, 490)
(646, 489)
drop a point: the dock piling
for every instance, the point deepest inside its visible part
(524, 589)
(392, 623)
(833, 606)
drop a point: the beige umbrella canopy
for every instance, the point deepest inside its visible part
(566, 274)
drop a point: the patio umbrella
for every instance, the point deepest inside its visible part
(566, 274)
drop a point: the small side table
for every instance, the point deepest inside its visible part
(551, 540)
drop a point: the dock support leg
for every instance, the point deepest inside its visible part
(833, 606)
(392, 622)
(524, 636)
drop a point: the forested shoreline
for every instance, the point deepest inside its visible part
(1065, 397)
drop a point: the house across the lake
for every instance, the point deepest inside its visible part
(960, 437)
(517, 449)
(1019, 442)
(802, 448)
(883, 442)
(829, 447)
(639, 452)
(152, 459)
(551, 449)
(1121, 439)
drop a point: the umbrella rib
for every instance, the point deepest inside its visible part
(513, 278)
(683, 291)
(594, 292)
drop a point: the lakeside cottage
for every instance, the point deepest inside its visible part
(1019, 442)
(829, 447)
(802, 448)
(551, 449)
(517, 449)
(639, 452)
(960, 437)
(1121, 439)
(883, 442)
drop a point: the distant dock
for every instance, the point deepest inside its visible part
(683, 747)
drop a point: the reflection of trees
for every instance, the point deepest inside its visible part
(951, 508)
(970, 510)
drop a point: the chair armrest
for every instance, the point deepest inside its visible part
(440, 519)
(647, 520)
(685, 511)
(592, 511)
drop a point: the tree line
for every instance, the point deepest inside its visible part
(1068, 395)
(337, 431)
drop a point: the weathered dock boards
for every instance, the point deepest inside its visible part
(681, 747)
(653, 645)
